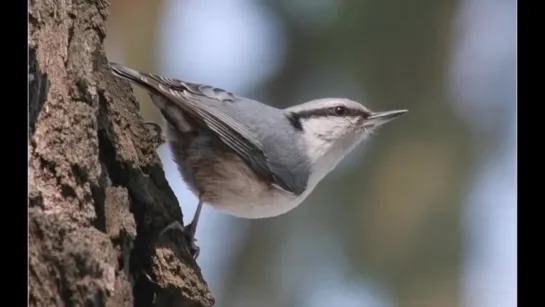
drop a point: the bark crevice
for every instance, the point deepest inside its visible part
(98, 196)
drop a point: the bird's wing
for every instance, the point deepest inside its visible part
(204, 105)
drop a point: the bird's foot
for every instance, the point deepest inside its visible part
(189, 234)
(157, 133)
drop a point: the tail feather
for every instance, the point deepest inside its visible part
(124, 72)
(137, 77)
(169, 108)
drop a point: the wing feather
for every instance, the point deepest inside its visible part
(205, 105)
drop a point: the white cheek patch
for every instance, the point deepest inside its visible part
(315, 137)
(328, 142)
(327, 130)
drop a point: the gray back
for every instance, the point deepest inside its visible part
(282, 143)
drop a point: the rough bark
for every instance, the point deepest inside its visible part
(98, 196)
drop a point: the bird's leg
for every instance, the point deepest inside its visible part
(188, 231)
(192, 229)
(157, 132)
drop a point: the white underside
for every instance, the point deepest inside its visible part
(275, 204)
(244, 197)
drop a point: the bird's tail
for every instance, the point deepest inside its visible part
(170, 107)
(125, 72)
(142, 79)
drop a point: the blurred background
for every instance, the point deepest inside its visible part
(424, 214)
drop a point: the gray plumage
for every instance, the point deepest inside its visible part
(248, 158)
(251, 135)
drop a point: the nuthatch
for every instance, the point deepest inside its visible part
(247, 158)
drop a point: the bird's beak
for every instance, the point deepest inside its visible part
(380, 118)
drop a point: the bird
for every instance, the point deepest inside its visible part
(246, 158)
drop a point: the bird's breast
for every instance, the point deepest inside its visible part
(225, 182)
(236, 189)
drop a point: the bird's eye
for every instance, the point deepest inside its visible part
(340, 110)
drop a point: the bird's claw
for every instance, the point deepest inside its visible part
(189, 234)
(157, 132)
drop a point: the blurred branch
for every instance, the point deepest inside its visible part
(406, 226)
(133, 36)
(98, 196)
(399, 216)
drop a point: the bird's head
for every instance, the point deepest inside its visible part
(331, 127)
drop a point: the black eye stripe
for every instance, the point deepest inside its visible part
(295, 121)
(295, 117)
(331, 111)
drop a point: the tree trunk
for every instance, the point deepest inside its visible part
(98, 196)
